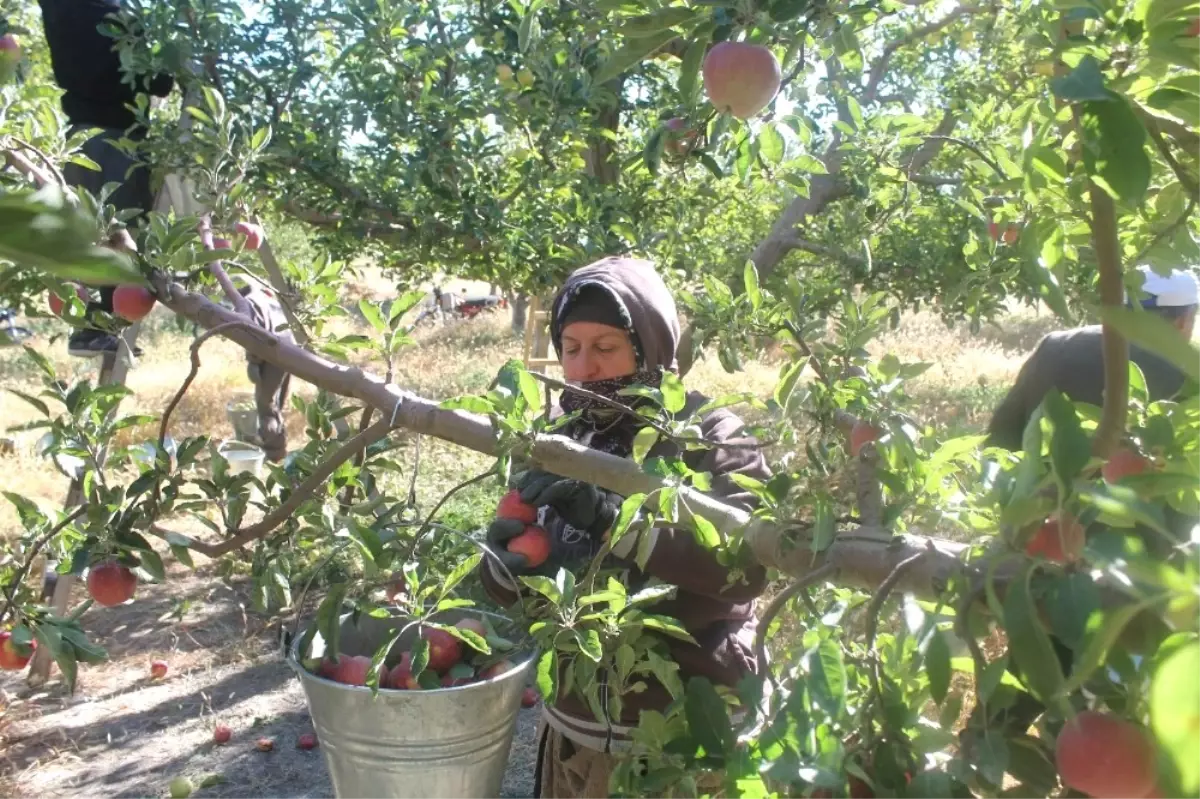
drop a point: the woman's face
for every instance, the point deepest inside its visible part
(592, 351)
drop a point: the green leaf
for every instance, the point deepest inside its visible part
(589, 644)
(645, 438)
(649, 24)
(828, 676)
(34, 401)
(673, 393)
(1070, 448)
(529, 30)
(690, 68)
(628, 512)
(1175, 715)
(547, 674)
(665, 624)
(630, 55)
(1085, 82)
(770, 144)
(544, 586)
(1028, 642)
(750, 278)
(937, 666)
(371, 313)
(1150, 331)
(420, 656)
(1104, 630)
(471, 403)
(708, 721)
(1114, 150)
(706, 532)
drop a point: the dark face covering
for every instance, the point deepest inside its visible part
(628, 294)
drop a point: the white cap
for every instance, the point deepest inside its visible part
(1176, 289)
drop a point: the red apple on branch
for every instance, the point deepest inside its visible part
(14, 657)
(1105, 756)
(111, 584)
(132, 303)
(741, 78)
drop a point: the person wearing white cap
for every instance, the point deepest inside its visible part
(1073, 360)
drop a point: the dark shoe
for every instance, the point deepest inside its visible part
(88, 343)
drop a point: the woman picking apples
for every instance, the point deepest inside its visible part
(614, 325)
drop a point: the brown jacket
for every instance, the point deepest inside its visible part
(717, 611)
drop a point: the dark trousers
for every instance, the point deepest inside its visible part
(116, 166)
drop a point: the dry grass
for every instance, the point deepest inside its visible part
(968, 376)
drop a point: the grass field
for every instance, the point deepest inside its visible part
(224, 666)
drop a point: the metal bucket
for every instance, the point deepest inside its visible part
(450, 742)
(243, 419)
(242, 457)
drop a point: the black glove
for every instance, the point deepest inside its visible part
(576, 515)
(581, 505)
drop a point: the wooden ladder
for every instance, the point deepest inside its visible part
(537, 352)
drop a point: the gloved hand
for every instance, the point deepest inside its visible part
(581, 505)
(574, 514)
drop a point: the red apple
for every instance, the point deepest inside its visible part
(444, 649)
(10, 48)
(680, 138)
(57, 304)
(328, 667)
(253, 232)
(14, 657)
(1012, 233)
(1057, 542)
(158, 669)
(511, 507)
(994, 231)
(1123, 463)
(397, 586)
(221, 734)
(474, 625)
(1194, 28)
(534, 544)
(1105, 756)
(222, 244)
(352, 670)
(111, 584)
(264, 744)
(401, 677)
(861, 434)
(132, 303)
(306, 741)
(496, 669)
(529, 697)
(741, 78)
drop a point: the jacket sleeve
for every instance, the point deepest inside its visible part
(1007, 427)
(676, 557)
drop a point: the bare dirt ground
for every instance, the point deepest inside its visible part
(123, 735)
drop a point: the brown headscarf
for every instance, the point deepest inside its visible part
(646, 306)
(626, 292)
